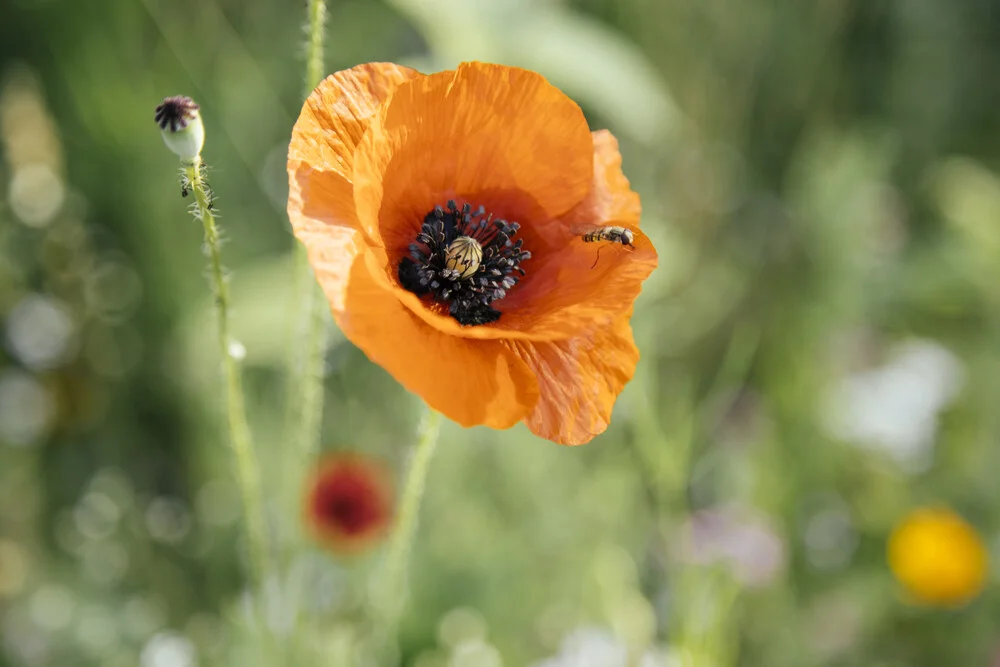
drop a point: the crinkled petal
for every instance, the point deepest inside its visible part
(579, 380)
(580, 284)
(470, 382)
(459, 134)
(333, 252)
(324, 139)
(611, 198)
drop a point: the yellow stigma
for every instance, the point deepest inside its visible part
(938, 557)
(463, 257)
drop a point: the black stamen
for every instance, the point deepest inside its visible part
(468, 293)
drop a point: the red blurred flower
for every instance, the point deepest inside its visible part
(349, 502)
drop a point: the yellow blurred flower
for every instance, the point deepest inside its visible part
(938, 557)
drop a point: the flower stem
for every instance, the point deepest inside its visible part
(304, 363)
(304, 388)
(247, 469)
(391, 588)
(314, 59)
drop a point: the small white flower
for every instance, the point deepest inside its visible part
(597, 647)
(181, 126)
(894, 408)
(168, 649)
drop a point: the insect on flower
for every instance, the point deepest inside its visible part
(611, 233)
(442, 210)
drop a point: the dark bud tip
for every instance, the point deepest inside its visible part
(175, 113)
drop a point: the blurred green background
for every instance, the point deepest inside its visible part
(820, 345)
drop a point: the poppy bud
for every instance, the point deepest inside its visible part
(181, 126)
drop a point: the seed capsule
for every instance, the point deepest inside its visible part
(463, 257)
(181, 126)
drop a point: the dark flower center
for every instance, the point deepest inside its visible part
(175, 112)
(349, 514)
(465, 259)
(348, 505)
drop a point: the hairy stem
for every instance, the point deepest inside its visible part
(304, 379)
(314, 57)
(247, 468)
(391, 589)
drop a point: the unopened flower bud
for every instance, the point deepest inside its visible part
(181, 126)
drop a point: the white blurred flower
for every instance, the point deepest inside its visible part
(894, 408)
(475, 653)
(237, 350)
(40, 332)
(597, 647)
(167, 649)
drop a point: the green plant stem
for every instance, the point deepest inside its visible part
(391, 588)
(304, 379)
(247, 468)
(306, 351)
(304, 390)
(314, 57)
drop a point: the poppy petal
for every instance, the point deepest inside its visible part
(611, 198)
(597, 281)
(470, 382)
(324, 139)
(459, 134)
(579, 380)
(333, 252)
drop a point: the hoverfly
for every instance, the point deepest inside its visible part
(612, 234)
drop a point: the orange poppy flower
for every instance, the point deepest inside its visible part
(445, 217)
(348, 502)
